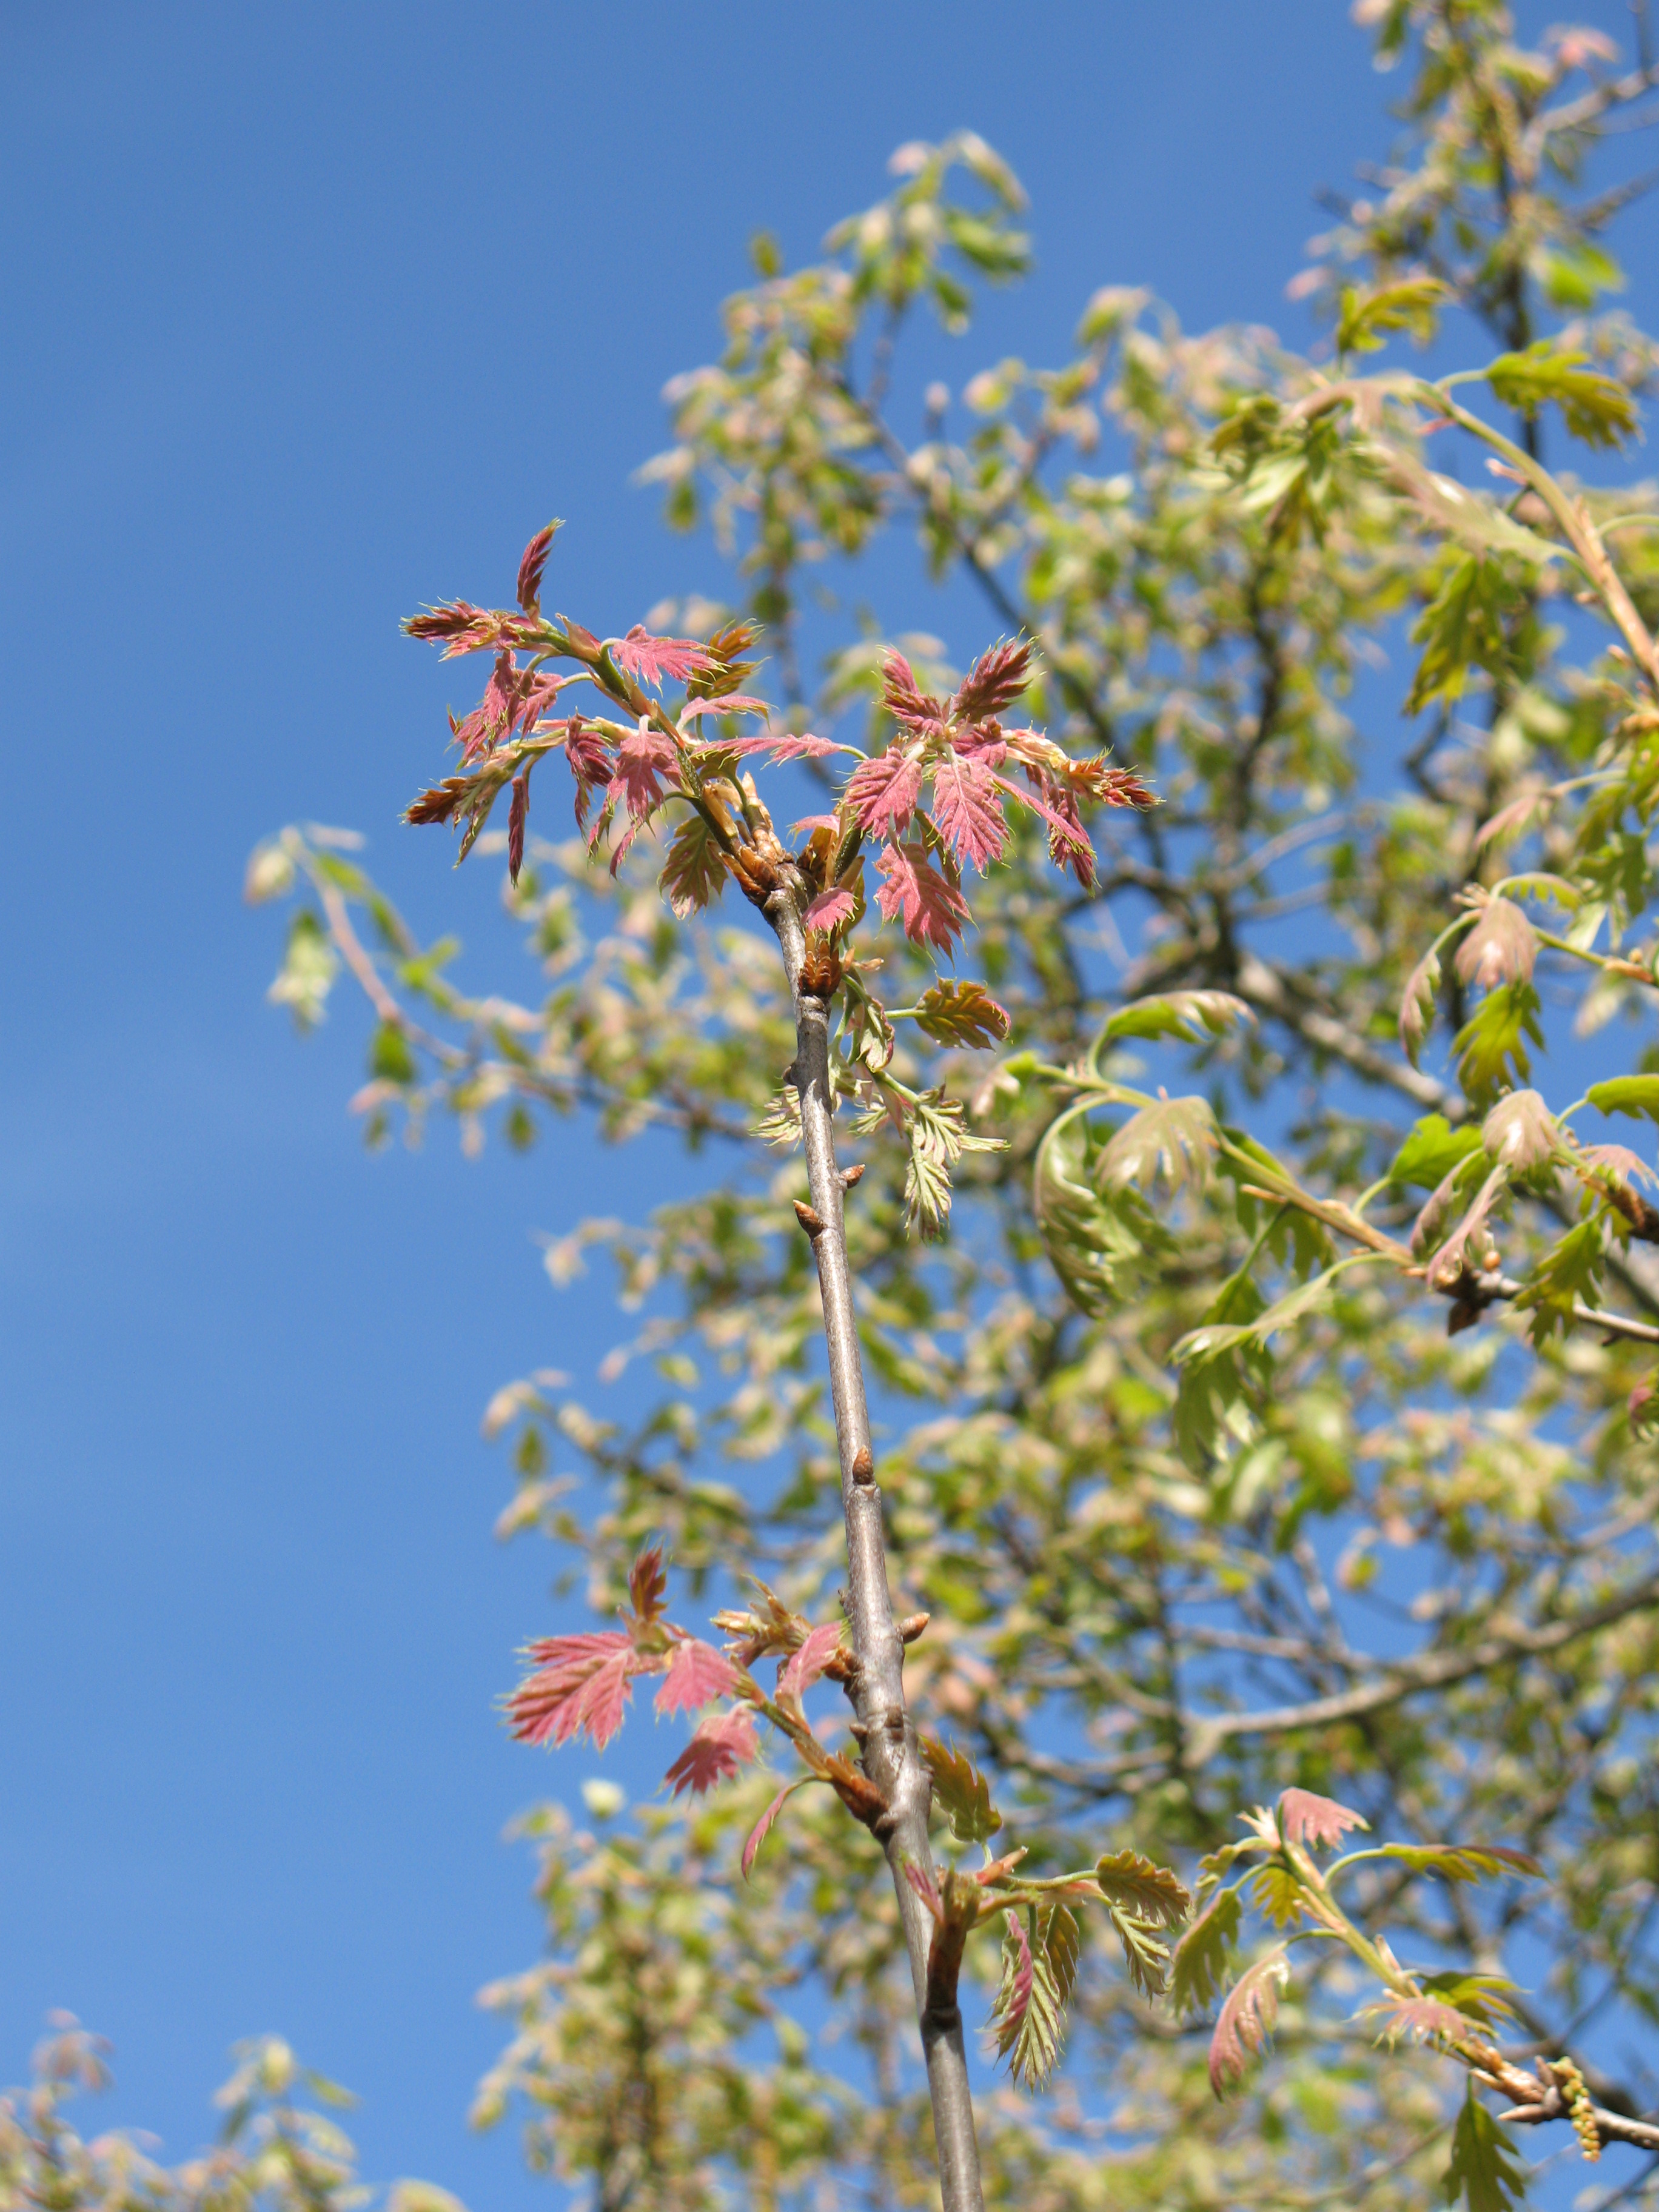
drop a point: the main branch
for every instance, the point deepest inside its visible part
(891, 1757)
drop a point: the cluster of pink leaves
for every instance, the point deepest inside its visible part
(582, 1685)
(955, 751)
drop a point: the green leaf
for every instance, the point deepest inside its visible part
(1193, 1015)
(1027, 2014)
(1483, 2171)
(1411, 305)
(961, 1012)
(1464, 625)
(309, 967)
(1595, 408)
(961, 1792)
(694, 872)
(390, 1059)
(1635, 1095)
(1098, 1242)
(1483, 1997)
(1062, 1944)
(1172, 1141)
(1199, 1969)
(1204, 1341)
(1492, 1044)
(1145, 1951)
(1570, 1270)
(1431, 1151)
(1462, 1862)
(1140, 1885)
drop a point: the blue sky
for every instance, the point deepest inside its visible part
(314, 313)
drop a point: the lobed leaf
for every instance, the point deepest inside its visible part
(1199, 1964)
(962, 1792)
(1247, 2020)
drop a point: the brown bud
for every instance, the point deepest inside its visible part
(808, 1220)
(912, 1625)
(864, 1467)
(754, 872)
(850, 1175)
(820, 971)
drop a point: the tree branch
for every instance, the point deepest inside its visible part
(891, 1757)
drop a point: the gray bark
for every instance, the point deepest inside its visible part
(891, 1757)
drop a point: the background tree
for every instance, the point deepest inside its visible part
(1198, 1518)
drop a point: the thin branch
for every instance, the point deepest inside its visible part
(887, 1735)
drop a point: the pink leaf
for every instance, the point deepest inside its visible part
(643, 756)
(926, 1888)
(782, 744)
(809, 1660)
(517, 814)
(1617, 1159)
(1019, 1993)
(762, 1827)
(647, 1585)
(918, 710)
(721, 1745)
(735, 703)
(810, 822)
(582, 1685)
(652, 659)
(1246, 2021)
(1304, 1818)
(696, 1675)
(530, 568)
(830, 908)
(968, 812)
(995, 681)
(882, 793)
(1422, 2017)
(933, 910)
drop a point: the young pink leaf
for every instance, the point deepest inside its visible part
(809, 1660)
(734, 703)
(780, 746)
(1304, 1818)
(812, 822)
(582, 1685)
(460, 626)
(882, 792)
(762, 1827)
(926, 1888)
(1246, 2021)
(995, 681)
(1418, 1002)
(1421, 2017)
(918, 710)
(721, 1745)
(517, 814)
(643, 756)
(830, 908)
(530, 568)
(933, 910)
(654, 659)
(969, 811)
(1019, 1987)
(647, 1585)
(696, 1675)
(1619, 1160)
(1501, 948)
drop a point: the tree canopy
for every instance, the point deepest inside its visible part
(1261, 1364)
